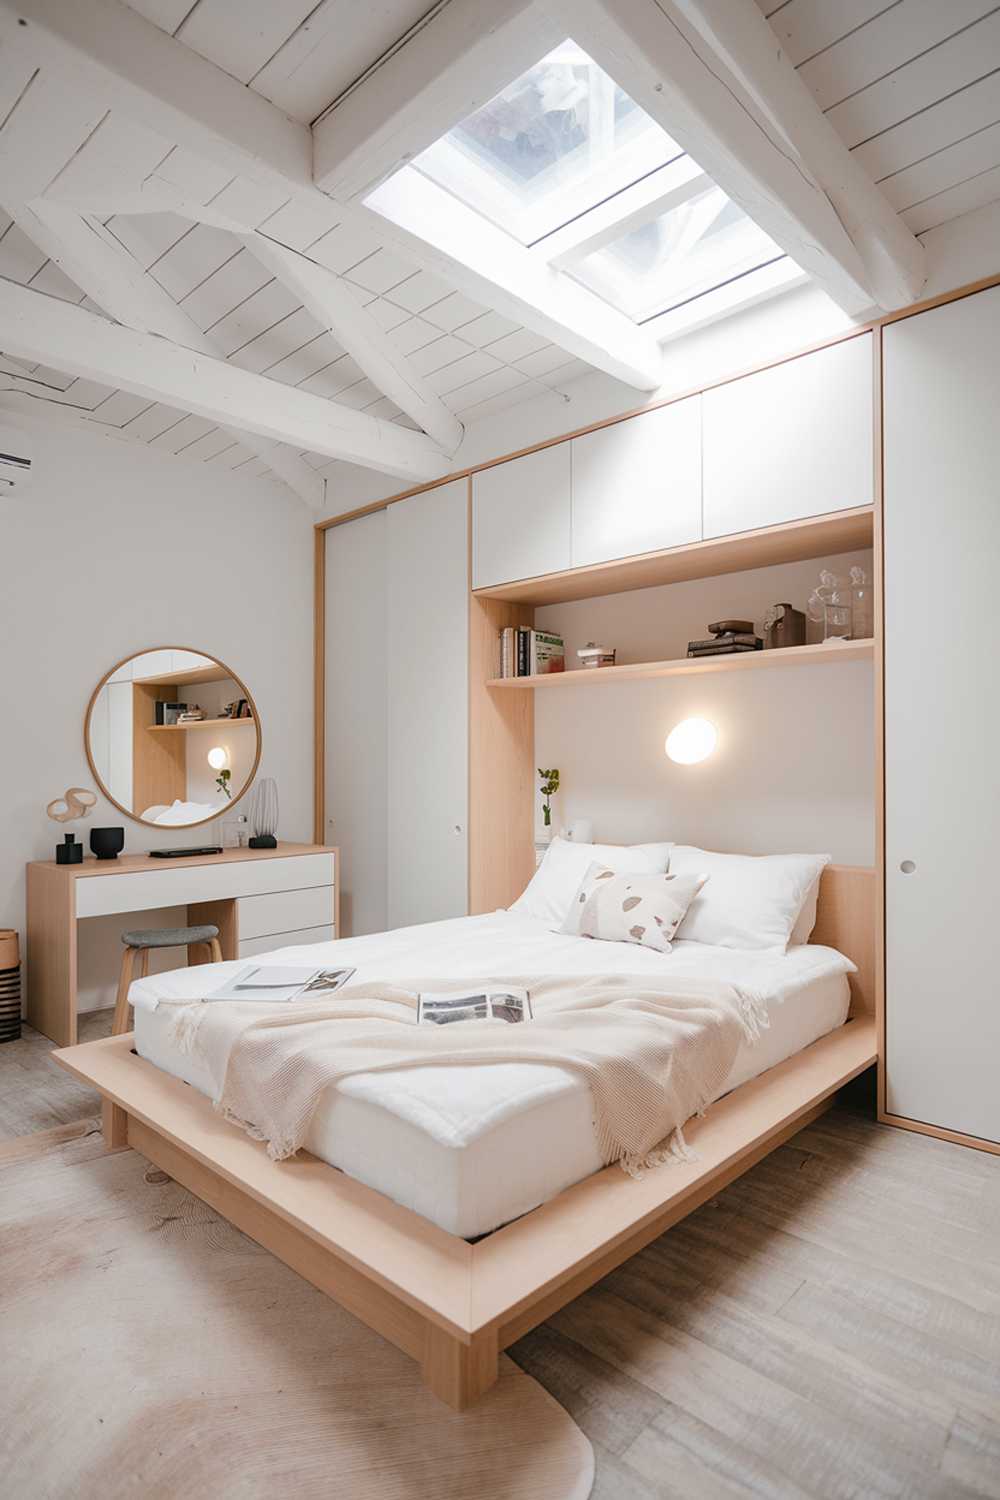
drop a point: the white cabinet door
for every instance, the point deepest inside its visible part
(942, 715)
(428, 706)
(790, 442)
(521, 517)
(637, 484)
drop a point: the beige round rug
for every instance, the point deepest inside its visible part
(152, 1350)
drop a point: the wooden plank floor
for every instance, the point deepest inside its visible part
(828, 1326)
(35, 1094)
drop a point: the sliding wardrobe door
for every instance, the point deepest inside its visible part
(942, 715)
(427, 794)
(356, 650)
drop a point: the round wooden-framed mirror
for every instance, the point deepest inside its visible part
(172, 737)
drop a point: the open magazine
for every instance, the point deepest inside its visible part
(474, 1005)
(272, 982)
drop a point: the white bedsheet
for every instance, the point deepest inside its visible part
(473, 1148)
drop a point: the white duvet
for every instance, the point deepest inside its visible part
(472, 1149)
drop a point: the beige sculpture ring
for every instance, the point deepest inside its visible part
(76, 802)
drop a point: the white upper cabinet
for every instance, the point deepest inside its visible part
(792, 441)
(521, 517)
(637, 484)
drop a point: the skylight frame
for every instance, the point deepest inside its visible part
(546, 267)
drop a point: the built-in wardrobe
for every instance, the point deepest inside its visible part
(942, 716)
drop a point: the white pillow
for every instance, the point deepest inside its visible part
(644, 909)
(180, 813)
(752, 901)
(802, 931)
(550, 892)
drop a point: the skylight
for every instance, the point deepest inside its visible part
(562, 187)
(557, 141)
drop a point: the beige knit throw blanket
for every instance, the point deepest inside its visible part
(654, 1052)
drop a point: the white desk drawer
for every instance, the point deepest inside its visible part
(285, 911)
(144, 890)
(250, 946)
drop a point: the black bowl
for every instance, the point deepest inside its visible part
(107, 843)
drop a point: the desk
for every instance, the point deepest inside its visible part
(258, 898)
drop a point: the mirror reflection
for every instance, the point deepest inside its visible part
(172, 736)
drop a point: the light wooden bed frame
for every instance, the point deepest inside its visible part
(450, 1304)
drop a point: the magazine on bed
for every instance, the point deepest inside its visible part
(474, 1005)
(273, 982)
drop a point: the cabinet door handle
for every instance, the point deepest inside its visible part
(907, 866)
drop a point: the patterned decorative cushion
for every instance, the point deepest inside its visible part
(646, 909)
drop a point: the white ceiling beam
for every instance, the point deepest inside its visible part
(103, 269)
(127, 63)
(893, 258)
(426, 223)
(659, 58)
(137, 69)
(448, 68)
(69, 338)
(325, 294)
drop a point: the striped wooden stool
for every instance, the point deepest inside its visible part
(141, 942)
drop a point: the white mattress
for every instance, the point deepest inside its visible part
(473, 1148)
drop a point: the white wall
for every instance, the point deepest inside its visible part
(114, 550)
(794, 767)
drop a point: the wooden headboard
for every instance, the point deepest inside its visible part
(845, 920)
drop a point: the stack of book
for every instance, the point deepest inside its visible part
(727, 639)
(528, 653)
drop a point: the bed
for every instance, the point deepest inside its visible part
(407, 1234)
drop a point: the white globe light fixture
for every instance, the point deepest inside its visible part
(691, 741)
(218, 758)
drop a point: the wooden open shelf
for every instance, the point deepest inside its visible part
(200, 724)
(192, 676)
(794, 541)
(800, 656)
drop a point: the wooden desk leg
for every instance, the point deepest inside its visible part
(51, 955)
(458, 1373)
(224, 914)
(114, 1123)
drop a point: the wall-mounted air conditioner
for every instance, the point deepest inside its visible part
(15, 462)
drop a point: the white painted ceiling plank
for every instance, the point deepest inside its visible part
(892, 259)
(48, 124)
(956, 63)
(38, 327)
(891, 40)
(167, 14)
(120, 151)
(805, 27)
(241, 35)
(961, 199)
(940, 125)
(331, 50)
(334, 308)
(946, 168)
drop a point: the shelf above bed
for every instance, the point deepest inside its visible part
(799, 656)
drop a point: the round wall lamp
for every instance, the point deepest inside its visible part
(690, 741)
(218, 758)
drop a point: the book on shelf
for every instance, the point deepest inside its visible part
(524, 652)
(730, 638)
(733, 649)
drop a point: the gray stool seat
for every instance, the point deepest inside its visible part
(138, 944)
(169, 937)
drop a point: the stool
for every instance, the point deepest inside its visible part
(141, 942)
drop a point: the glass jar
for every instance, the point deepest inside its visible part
(837, 620)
